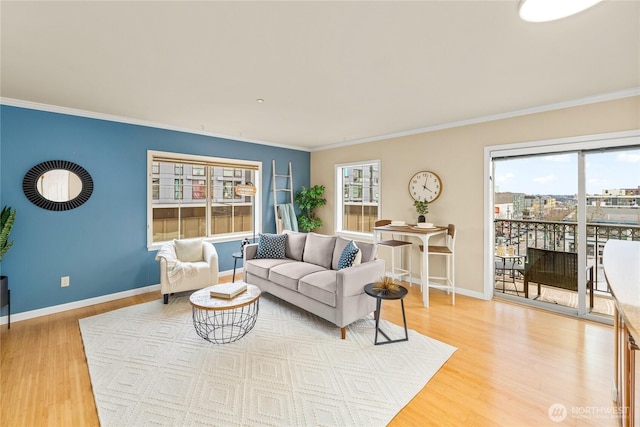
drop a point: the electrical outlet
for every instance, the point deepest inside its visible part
(64, 281)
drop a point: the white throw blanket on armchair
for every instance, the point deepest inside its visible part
(176, 269)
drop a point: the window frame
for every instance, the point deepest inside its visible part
(340, 186)
(152, 157)
(623, 139)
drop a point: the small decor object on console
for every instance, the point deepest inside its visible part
(386, 284)
(244, 243)
(228, 290)
(422, 207)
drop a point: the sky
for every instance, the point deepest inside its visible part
(558, 174)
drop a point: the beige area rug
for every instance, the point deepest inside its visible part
(148, 367)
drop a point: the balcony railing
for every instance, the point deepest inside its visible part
(518, 235)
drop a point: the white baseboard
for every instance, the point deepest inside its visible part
(90, 301)
(77, 304)
(459, 291)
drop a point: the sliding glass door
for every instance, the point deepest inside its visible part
(552, 212)
(612, 210)
(535, 215)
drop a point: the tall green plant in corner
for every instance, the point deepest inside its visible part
(7, 217)
(308, 199)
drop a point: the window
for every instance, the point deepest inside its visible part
(358, 189)
(155, 185)
(177, 189)
(198, 189)
(558, 210)
(202, 202)
(227, 190)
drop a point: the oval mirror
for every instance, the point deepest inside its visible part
(57, 185)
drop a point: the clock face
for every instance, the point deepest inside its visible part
(425, 185)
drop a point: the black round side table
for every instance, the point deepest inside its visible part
(384, 295)
(236, 256)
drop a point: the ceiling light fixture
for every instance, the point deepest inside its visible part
(550, 10)
(259, 100)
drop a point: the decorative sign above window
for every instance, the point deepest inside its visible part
(246, 189)
(57, 185)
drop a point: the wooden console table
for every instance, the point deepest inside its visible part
(621, 261)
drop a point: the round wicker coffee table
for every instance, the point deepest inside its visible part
(220, 320)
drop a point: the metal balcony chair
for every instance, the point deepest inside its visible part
(510, 269)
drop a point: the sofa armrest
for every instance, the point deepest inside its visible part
(350, 281)
(210, 253)
(250, 251)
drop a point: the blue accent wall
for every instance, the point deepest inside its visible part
(101, 245)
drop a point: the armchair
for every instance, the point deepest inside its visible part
(187, 265)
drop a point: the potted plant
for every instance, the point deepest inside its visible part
(308, 199)
(7, 217)
(422, 207)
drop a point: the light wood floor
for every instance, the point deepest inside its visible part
(512, 363)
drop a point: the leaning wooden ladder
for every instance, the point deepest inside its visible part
(288, 187)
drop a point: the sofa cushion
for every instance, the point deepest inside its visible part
(294, 245)
(368, 251)
(261, 267)
(271, 246)
(320, 286)
(318, 249)
(350, 256)
(289, 274)
(189, 250)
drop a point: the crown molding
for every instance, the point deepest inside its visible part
(121, 119)
(627, 93)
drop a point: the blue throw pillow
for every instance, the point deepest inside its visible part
(271, 246)
(348, 256)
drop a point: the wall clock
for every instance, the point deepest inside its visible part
(425, 185)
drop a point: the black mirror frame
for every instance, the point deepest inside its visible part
(30, 185)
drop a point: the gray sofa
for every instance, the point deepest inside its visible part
(308, 276)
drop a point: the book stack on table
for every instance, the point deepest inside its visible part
(228, 290)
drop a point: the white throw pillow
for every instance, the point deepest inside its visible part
(189, 250)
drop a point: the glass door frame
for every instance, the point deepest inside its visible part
(572, 144)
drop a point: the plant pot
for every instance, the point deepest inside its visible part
(421, 218)
(4, 297)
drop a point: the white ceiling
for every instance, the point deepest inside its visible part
(329, 72)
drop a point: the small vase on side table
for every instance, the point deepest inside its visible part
(5, 298)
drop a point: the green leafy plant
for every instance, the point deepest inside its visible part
(7, 217)
(422, 206)
(308, 199)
